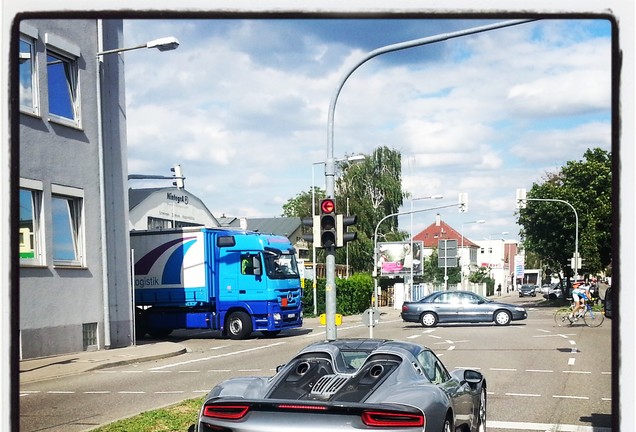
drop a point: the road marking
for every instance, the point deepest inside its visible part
(219, 370)
(539, 370)
(570, 397)
(60, 392)
(131, 392)
(217, 356)
(188, 371)
(523, 394)
(170, 392)
(577, 372)
(97, 392)
(503, 369)
(571, 361)
(250, 370)
(413, 336)
(160, 371)
(131, 371)
(572, 342)
(450, 348)
(490, 424)
(435, 336)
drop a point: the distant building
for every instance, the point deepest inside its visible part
(167, 208)
(467, 250)
(74, 292)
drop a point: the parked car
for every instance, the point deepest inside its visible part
(527, 290)
(460, 307)
(608, 302)
(351, 385)
(554, 293)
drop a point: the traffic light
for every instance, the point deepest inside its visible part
(178, 176)
(328, 223)
(312, 222)
(342, 235)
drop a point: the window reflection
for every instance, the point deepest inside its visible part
(62, 86)
(27, 75)
(66, 230)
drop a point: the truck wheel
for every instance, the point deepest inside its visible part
(239, 325)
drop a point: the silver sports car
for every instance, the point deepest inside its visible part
(351, 385)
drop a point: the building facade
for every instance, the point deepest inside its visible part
(167, 208)
(74, 291)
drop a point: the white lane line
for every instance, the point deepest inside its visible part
(435, 336)
(577, 372)
(219, 370)
(413, 336)
(217, 356)
(30, 391)
(188, 371)
(160, 371)
(571, 361)
(60, 392)
(523, 394)
(450, 348)
(503, 369)
(572, 342)
(250, 370)
(490, 424)
(131, 392)
(97, 392)
(132, 371)
(540, 370)
(170, 392)
(570, 397)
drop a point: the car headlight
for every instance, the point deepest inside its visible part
(520, 309)
(276, 316)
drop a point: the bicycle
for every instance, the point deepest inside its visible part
(591, 318)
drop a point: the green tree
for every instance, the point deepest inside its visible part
(301, 205)
(548, 228)
(434, 274)
(373, 189)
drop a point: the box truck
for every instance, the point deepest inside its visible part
(234, 281)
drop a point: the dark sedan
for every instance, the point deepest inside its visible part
(527, 290)
(460, 307)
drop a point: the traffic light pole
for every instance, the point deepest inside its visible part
(330, 261)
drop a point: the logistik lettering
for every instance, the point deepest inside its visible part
(146, 282)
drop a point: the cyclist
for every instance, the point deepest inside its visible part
(580, 293)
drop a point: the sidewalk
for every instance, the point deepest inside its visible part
(71, 364)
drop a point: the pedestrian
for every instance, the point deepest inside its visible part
(499, 290)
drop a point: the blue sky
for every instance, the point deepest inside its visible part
(242, 105)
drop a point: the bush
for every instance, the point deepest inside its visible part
(353, 295)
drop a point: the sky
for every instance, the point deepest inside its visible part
(243, 106)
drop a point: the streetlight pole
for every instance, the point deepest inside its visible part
(163, 44)
(330, 262)
(410, 292)
(461, 256)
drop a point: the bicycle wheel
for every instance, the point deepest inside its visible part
(593, 319)
(561, 317)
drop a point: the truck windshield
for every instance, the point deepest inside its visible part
(281, 266)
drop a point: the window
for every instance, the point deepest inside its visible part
(432, 367)
(63, 80)
(29, 225)
(68, 227)
(28, 76)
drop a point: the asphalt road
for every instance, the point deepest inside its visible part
(540, 377)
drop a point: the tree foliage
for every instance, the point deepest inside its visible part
(548, 227)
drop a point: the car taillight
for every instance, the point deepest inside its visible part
(404, 308)
(392, 419)
(226, 412)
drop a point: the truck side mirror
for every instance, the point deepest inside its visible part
(256, 262)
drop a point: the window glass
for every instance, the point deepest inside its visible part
(62, 86)
(432, 367)
(28, 100)
(67, 234)
(29, 225)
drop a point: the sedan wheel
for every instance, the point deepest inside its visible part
(447, 425)
(481, 412)
(428, 319)
(502, 318)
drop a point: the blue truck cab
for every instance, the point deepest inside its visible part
(211, 278)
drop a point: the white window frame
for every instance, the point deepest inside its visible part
(37, 236)
(75, 198)
(68, 53)
(29, 35)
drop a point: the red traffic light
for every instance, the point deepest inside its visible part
(327, 206)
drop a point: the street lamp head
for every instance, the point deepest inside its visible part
(164, 44)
